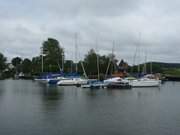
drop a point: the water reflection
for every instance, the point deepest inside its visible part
(52, 93)
(146, 92)
(91, 92)
(2, 89)
(51, 97)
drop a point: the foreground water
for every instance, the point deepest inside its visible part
(30, 108)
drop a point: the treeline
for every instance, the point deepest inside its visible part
(53, 58)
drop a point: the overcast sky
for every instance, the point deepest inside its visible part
(153, 24)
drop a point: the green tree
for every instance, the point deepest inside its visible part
(17, 63)
(26, 66)
(69, 66)
(36, 65)
(90, 62)
(54, 55)
(103, 63)
(2, 62)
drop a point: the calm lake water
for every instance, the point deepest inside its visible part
(30, 108)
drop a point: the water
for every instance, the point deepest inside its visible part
(30, 108)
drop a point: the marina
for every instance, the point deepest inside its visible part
(89, 67)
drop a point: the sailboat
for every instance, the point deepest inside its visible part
(74, 79)
(50, 78)
(95, 83)
(144, 81)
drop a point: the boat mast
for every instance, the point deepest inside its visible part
(84, 70)
(134, 59)
(42, 61)
(139, 52)
(110, 60)
(62, 62)
(97, 57)
(151, 67)
(76, 49)
(145, 68)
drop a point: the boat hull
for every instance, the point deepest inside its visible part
(119, 86)
(71, 82)
(145, 83)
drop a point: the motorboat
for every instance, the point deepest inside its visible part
(115, 80)
(93, 84)
(117, 83)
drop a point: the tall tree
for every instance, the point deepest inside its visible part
(36, 65)
(54, 55)
(2, 62)
(26, 66)
(90, 61)
(17, 63)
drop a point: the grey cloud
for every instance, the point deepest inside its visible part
(26, 24)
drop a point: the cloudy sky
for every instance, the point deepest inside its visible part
(153, 25)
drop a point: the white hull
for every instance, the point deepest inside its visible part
(73, 81)
(42, 80)
(49, 79)
(145, 83)
(86, 86)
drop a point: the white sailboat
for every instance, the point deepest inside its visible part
(74, 80)
(145, 82)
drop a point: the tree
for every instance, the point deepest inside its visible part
(36, 65)
(26, 66)
(69, 66)
(17, 64)
(103, 61)
(16, 61)
(54, 55)
(90, 62)
(2, 62)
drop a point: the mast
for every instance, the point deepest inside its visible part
(151, 67)
(145, 67)
(76, 49)
(63, 62)
(97, 57)
(134, 60)
(110, 60)
(42, 61)
(84, 70)
(139, 68)
(71, 66)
